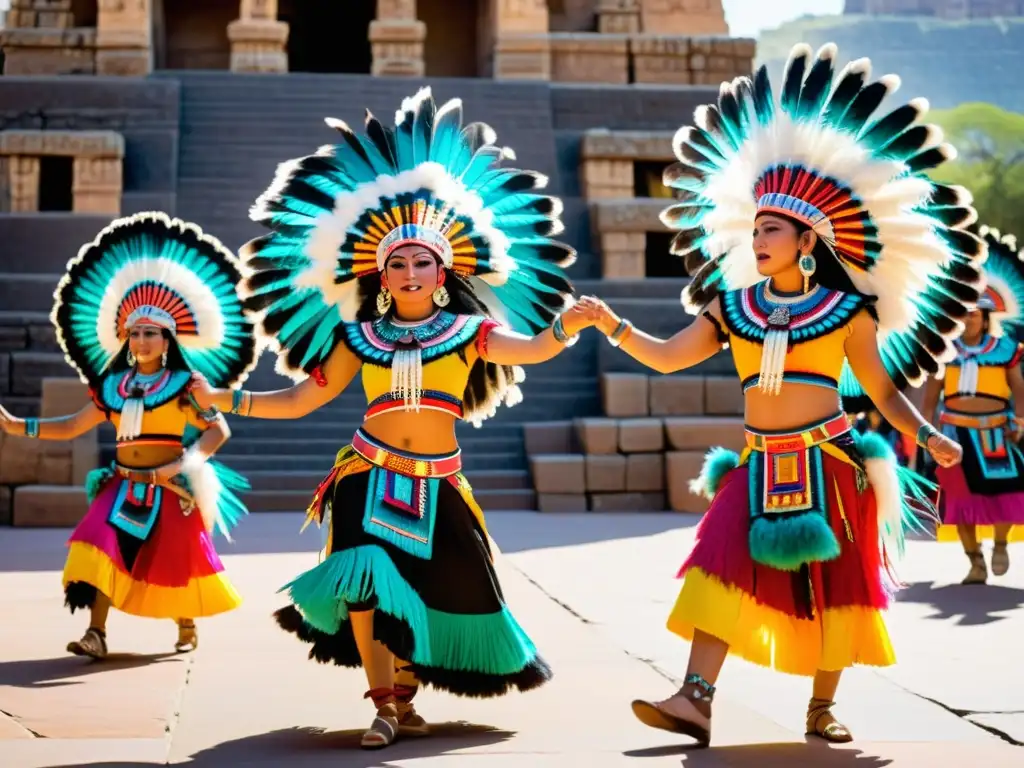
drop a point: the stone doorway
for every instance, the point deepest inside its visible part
(193, 34)
(328, 35)
(455, 29)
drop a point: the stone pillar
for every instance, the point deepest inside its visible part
(620, 17)
(521, 50)
(19, 184)
(258, 38)
(124, 38)
(396, 38)
(683, 17)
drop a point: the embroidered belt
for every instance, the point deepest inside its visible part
(779, 442)
(409, 464)
(973, 420)
(430, 399)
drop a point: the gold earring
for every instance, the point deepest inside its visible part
(383, 301)
(440, 296)
(130, 358)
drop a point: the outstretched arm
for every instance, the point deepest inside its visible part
(867, 365)
(694, 344)
(62, 428)
(932, 391)
(291, 403)
(505, 347)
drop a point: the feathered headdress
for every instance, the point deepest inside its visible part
(819, 156)
(162, 271)
(1003, 297)
(336, 215)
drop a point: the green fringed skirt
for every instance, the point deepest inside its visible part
(446, 615)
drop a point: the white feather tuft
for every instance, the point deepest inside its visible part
(885, 482)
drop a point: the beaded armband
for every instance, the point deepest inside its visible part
(240, 398)
(560, 335)
(924, 432)
(209, 416)
(31, 427)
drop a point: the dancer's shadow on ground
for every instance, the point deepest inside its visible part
(812, 753)
(975, 604)
(57, 672)
(316, 747)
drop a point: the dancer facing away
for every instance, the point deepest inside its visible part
(976, 392)
(808, 230)
(150, 301)
(444, 261)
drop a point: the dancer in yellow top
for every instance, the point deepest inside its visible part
(813, 241)
(413, 256)
(979, 401)
(142, 308)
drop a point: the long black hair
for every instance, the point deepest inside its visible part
(487, 381)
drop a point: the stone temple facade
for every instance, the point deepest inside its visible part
(111, 107)
(613, 41)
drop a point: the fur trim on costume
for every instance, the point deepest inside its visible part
(718, 462)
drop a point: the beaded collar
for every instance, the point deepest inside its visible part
(989, 351)
(751, 313)
(159, 389)
(441, 334)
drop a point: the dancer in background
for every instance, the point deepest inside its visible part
(412, 256)
(979, 402)
(811, 234)
(149, 302)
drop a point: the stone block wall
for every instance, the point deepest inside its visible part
(42, 481)
(97, 171)
(643, 453)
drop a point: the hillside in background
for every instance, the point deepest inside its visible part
(947, 62)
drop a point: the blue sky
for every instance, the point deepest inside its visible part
(747, 18)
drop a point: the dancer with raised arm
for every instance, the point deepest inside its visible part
(151, 301)
(979, 402)
(412, 255)
(811, 235)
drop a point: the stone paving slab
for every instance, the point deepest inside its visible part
(592, 591)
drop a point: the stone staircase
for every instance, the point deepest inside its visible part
(231, 132)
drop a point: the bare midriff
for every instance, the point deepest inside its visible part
(796, 406)
(422, 432)
(976, 404)
(144, 456)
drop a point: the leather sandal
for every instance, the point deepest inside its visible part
(188, 636)
(683, 713)
(979, 572)
(1000, 559)
(384, 729)
(93, 644)
(833, 730)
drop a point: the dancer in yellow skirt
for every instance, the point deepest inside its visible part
(813, 240)
(150, 302)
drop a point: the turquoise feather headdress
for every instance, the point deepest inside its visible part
(1004, 282)
(161, 271)
(336, 215)
(819, 155)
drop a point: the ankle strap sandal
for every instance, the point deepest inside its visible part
(92, 644)
(188, 636)
(1000, 559)
(833, 730)
(683, 713)
(979, 572)
(384, 728)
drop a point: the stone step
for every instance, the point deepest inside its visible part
(44, 242)
(27, 292)
(296, 501)
(307, 480)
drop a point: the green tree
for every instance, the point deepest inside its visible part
(990, 161)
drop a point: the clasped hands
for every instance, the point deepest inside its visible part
(589, 311)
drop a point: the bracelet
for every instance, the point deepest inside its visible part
(209, 416)
(238, 396)
(924, 432)
(621, 333)
(560, 335)
(32, 428)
